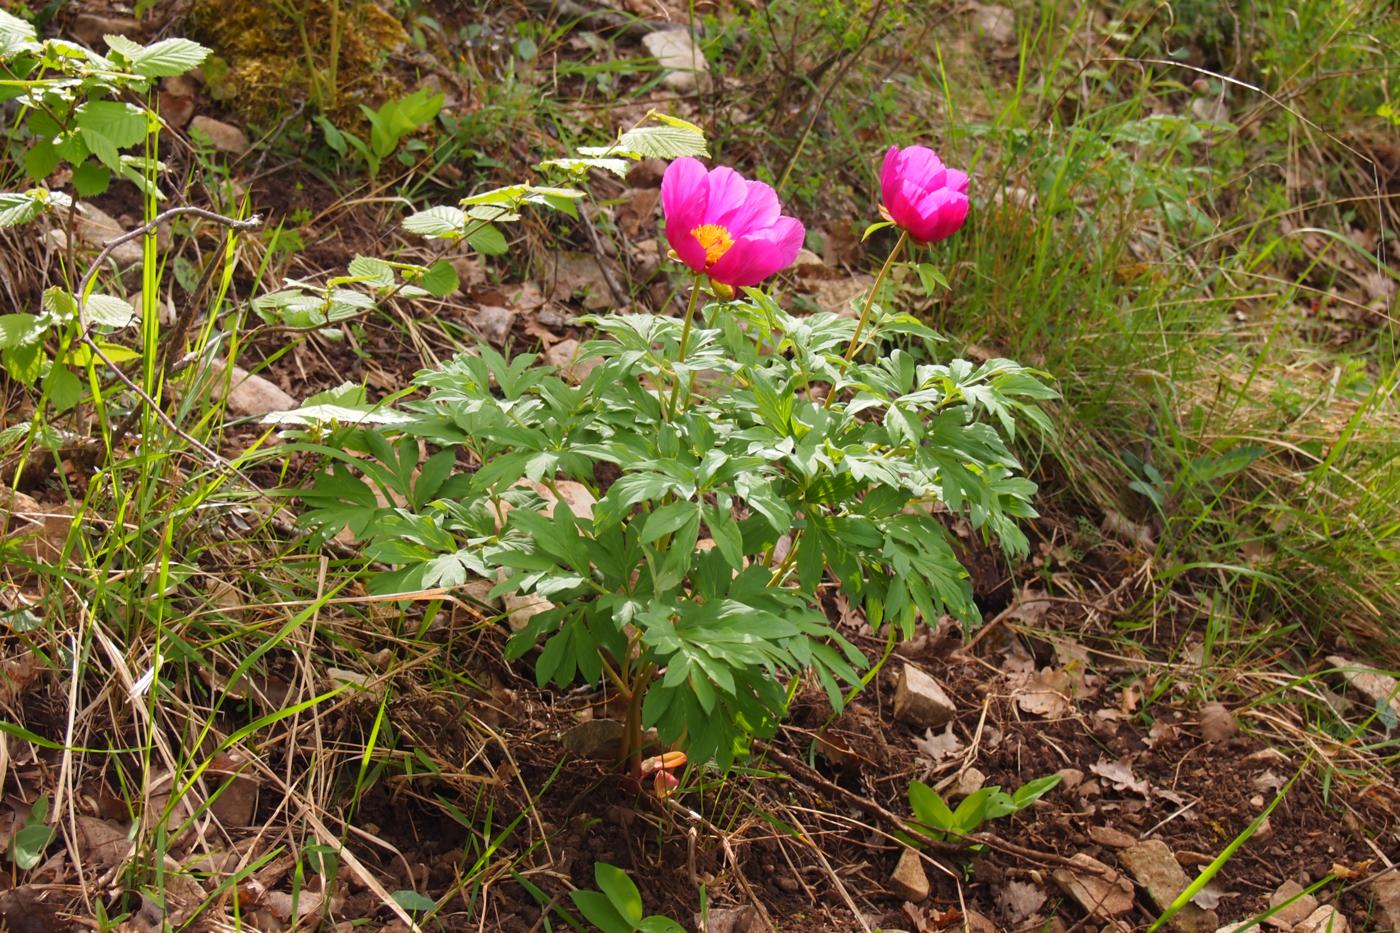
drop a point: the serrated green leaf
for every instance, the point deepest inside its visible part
(18, 329)
(665, 142)
(488, 241)
(108, 126)
(63, 388)
(16, 35)
(167, 58)
(509, 195)
(91, 179)
(40, 160)
(440, 222)
(123, 46)
(109, 311)
(19, 207)
(618, 166)
(25, 362)
(441, 279)
(372, 271)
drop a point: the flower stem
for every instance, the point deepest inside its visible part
(875, 291)
(870, 303)
(685, 340)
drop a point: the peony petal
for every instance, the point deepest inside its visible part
(922, 166)
(940, 214)
(758, 255)
(956, 180)
(728, 191)
(759, 210)
(684, 196)
(904, 207)
(889, 174)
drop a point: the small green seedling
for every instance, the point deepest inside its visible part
(617, 906)
(937, 820)
(27, 846)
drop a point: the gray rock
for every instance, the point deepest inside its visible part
(1154, 866)
(1297, 911)
(1324, 920)
(920, 701)
(95, 227)
(1387, 891)
(255, 396)
(593, 739)
(1100, 890)
(909, 880)
(225, 136)
(675, 51)
(90, 29)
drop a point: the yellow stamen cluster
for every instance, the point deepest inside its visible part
(715, 239)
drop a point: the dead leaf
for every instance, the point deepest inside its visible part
(1381, 689)
(234, 805)
(282, 906)
(1045, 694)
(1208, 898)
(637, 212)
(939, 746)
(1120, 776)
(101, 843)
(1217, 723)
(493, 323)
(578, 275)
(564, 357)
(1129, 532)
(1020, 900)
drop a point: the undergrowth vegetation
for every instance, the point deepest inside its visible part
(412, 507)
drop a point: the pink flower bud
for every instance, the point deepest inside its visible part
(923, 197)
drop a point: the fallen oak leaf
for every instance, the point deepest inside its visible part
(1120, 776)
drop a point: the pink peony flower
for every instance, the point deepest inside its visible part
(921, 195)
(725, 226)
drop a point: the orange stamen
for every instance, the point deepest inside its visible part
(715, 239)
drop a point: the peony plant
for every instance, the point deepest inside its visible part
(748, 464)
